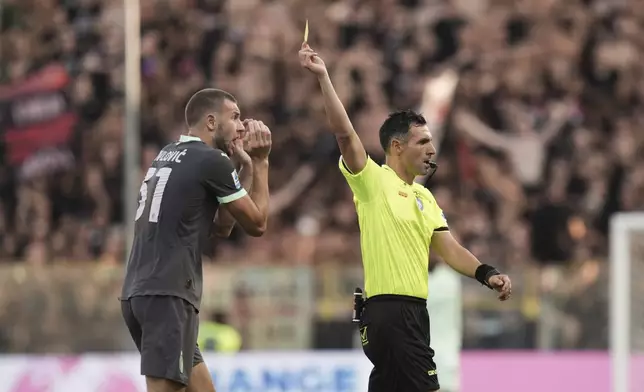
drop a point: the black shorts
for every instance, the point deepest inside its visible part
(394, 331)
(164, 329)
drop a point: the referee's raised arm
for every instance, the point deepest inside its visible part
(353, 152)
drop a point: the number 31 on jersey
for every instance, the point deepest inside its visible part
(158, 186)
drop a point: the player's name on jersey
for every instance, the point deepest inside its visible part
(171, 156)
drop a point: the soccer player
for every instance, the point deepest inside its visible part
(445, 306)
(399, 222)
(188, 181)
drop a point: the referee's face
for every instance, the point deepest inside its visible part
(419, 151)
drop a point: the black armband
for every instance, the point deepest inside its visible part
(485, 272)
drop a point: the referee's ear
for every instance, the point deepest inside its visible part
(396, 147)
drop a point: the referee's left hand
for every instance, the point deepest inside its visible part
(502, 284)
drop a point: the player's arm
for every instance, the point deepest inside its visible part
(224, 221)
(353, 152)
(251, 212)
(222, 180)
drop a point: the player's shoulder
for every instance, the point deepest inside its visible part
(202, 150)
(198, 151)
(169, 146)
(194, 147)
(216, 155)
(215, 162)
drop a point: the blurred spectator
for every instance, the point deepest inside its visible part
(540, 145)
(217, 335)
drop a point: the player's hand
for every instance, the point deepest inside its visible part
(238, 155)
(502, 284)
(311, 61)
(258, 139)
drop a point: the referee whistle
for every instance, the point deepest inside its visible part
(358, 302)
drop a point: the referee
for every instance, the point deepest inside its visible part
(399, 222)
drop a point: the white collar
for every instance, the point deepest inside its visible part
(187, 138)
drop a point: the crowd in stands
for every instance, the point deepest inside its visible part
(541, 142)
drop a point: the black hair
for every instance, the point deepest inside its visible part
(203, 101)
(397, 125)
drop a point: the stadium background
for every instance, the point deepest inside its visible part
(540, 143)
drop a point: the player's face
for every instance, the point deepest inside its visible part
(419, 151)
(229, 126)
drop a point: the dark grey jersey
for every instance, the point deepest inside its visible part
(178, 200)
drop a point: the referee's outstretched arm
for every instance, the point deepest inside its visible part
(464, 262)
(353, 152)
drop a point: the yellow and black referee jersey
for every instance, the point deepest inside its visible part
(397, 221)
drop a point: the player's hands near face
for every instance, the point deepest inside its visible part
(311, 61)
(502, 284)
(258, 139)
(238, 155)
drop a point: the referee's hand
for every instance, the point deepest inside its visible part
(502, 284)
(311, 60)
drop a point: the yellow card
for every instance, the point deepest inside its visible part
(306, 31)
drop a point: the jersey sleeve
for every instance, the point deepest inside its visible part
(221, 179)
(437, 216)
(365, 185)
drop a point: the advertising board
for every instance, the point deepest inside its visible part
(316, 372)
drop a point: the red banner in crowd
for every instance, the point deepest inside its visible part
(36, 113)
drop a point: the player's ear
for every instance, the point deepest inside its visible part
(211, 122)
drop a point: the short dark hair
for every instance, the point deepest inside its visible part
(397, 125)
(203, 101)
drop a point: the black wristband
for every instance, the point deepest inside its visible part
(484, 272)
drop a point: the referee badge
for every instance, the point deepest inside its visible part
(419, 203)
